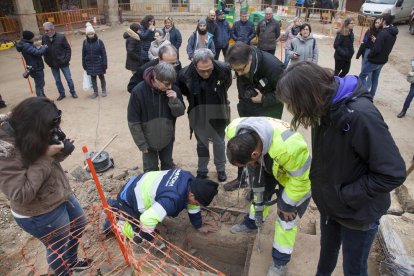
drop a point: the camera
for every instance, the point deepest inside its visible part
(251, 90)
(26, 73)
(58, 136)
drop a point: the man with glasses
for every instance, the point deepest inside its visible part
(167, 53)
(243, 30)
(153, 107)
(257, 75)
(205, 83)
(268, 31)
(58, 57)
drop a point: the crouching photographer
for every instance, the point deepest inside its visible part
(41, 199)
(32, 53)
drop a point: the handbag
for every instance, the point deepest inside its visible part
(87, 81)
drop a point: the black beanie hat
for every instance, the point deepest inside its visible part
(204, 190)
(27, 35)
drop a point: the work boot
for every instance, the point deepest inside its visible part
(202, 176)
(104, 94)
(402, 114)
(94, 95)
(276, 270)
(241, 228)
(221, 176)
(234, 185)
(81, 264)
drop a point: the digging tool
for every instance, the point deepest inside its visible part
(101, 150)
(411, 168)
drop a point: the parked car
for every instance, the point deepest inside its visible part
(400, 9)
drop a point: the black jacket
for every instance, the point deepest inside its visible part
(59, 53)
(31, 54)
(265, 70)
(383, 45)
(139, 74)
(344, 46)
(355, 162)
(94, 60)
(200, 112)
(133, 49)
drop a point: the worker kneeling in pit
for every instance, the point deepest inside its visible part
(152, 196)
(273, 155)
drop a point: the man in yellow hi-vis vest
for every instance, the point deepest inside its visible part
(275, 155)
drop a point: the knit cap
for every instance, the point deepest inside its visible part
(89, 28)
(202, 21)
(27, 35)
(204, 190)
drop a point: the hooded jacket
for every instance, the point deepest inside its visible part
(154, 48)
(175, 37)
(155, 195)
(221, 41)
(268, 32)
(344, 46)
(307, 47)
(59, 52)
(356, 163)
(383, 45)
(217, 115)
(152, 115)
(193, 43)
(94, 60)
(243, 31)
(34, 190)
(133, 48)
(264, 74)
(147, 36)
(284, 155)
(31, 54)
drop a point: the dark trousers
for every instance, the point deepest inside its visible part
(150, 159)
(39, 80)
(409, 98)
(95, 84)
(216, 57)
(356, 245)
(342, 67)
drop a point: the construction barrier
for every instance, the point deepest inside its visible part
(67, 18)
(9, 26)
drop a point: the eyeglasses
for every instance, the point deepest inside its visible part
(240, 70)
(57, 119)
(208, 70)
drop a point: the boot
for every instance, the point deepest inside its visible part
(402, 113)
(104, 94)
(94, 95)
(275, 270)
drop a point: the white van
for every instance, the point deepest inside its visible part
(400, 9)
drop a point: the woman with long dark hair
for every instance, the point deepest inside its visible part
(355, 161)
(41, 199)
(147, 36)
(344, 47)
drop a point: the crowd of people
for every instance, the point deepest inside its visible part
(354, 167)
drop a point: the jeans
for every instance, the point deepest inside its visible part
(95, 84)
(150, 159)
(364, 60)
(219, 151)
(356, 245)
(68, 77)
(60, 231)
(409, 98)
(39, 80)
(287, 58)
(375, 70)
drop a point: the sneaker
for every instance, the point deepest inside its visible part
(81, 264)
(234, 185)
(241, 228)
(276, 270)
(61, 97)
(201, 176)
(104, 94)
(221, 176)
(74, 95)
(94, 95)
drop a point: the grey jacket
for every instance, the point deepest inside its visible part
(307, 48)
(268, 33)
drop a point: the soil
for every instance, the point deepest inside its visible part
(92, 122)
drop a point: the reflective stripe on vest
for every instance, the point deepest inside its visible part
(146, 189)
(193, 209)
(284, 240)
